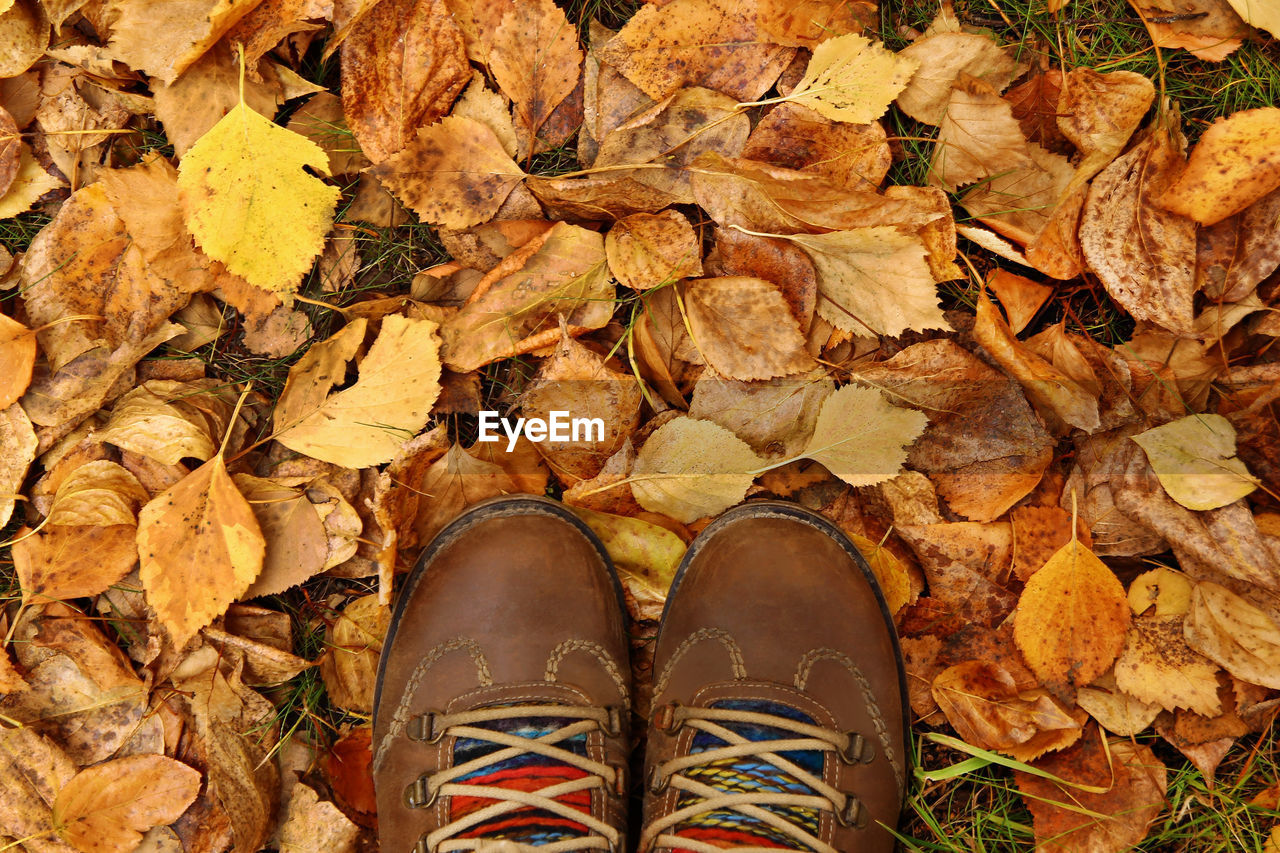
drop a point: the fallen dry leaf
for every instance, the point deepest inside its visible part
(711, 43)
(1099, 112)
(1072, 618)
(17, 451)
(199, 535)
(312, 825)
(862, 438)
(1210, 29)
(645, 555)
(455, 481)
(742, 328)
(775, 417)
(240, 182)
(1115, 710)
(535, 60)
(1145, 256)
(807, 23)
(29, 183)
(851, 79)
(794, 136)
(978, 137)
(354, 640)
(1020, 297)
(297, 546)
(942, 58)
(1195, 459)
(10, 151)
(1230, 168)
(690, 469)
(366, 423)
(1242, 639)
(17, 358)
(164, 41)
(403, 65)
(1158, 667)
(646, 250)
(34, 768)
(107, 807)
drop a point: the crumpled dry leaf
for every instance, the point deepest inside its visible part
(1020, 297)
(535, 60)
(1020, 203)
(794, 136)
(17, 451)
(646, 250)
(1133, 783)
(367, 422)
(978, 137)
(743, 329)
(1242, 639)
(566, 273)
(690, 469)
(297, 546)
(1210, 29)
(1145, 256)
(29, 184)
(775, 417)
(354, 640)
(34, 769)
(1230, 168)
(200, 547)
(578, 381)
(1195, 459)
(1115, 710)
(942, 59)
(1158, 667)
(1061, 401)
(851, 79)
(1236, 254)
(982, 702)
(155, 421)
(250, 203)
(861, 437)
(165, 40)
(711, 43)
(24, 34)
(456, 481)
(1099, 112)
(107, 807)
(10, 150)
(312, 825)
(1072, 618)
(403, 65)
(984, 448)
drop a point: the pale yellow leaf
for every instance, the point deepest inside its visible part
(1195, 459)
(689, 469)
(31, 182)
(851, 79)
(1234, 634)
(861, 437)
(250, 203)
(389, 404)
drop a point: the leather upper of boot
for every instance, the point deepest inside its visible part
(774, 616)
(514, 607)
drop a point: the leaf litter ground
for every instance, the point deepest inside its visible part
(766, 267)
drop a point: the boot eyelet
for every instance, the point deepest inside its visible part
(853, 814)
(421, 846)
(425, 728)
(664, 719)
(612, 726)
(418, 794)
(619, 780)
(657, 782)
(859, 750)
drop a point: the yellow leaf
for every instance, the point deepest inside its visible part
(1242, 639)
(850, 79)
(1195, 459)
(250, 203)
(645, 555)
(1230, 168)
(17, 451)
(389, 404)
(689, 469)
(861, 437)
(107, 807)
(30, 182)
(199, 547)
(1264, 16)
(1072, 618)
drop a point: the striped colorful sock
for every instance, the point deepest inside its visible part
(527, 772)
(736, 775)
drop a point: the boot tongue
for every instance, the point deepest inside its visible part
(729, 828)
(528, 826)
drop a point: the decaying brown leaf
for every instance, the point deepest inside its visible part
(775, 417)
(796, 137)
(107, 807)
(978, 137)
(1209, 29)
(742, 328)
(17, 451)
(647, 250)
(1115, 710)
(35, 769)
(943, 58)
(1241, 638)
(690, 469)
(535, 60)
(312, 825)
(165, 40)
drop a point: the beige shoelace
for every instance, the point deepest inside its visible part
(425, 791)
(846, 808)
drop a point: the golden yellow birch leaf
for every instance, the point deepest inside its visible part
(873, 280)
(24, 34)
(861, 437)
(482, 104)
(147, 423)
(99, 493)
(389, 404)
(250, 203)
(34, 768)
(455, 174)
(10, 149)
(354, 640)
(743, 328)
(535, 60)
(1264, 16)
(29, 183)
(851, 79)
(106, 808)
(17, 358)
(1195, 459)
(1234, 634)
(17, 451)
(200, 547)
(891, 573)
(313, 376)
(978, 137)
(74, 561)
(1169, 592)
(1071, 619)
(649, 249)
(1232, 166)
(690, 469)
(645, 555)
(297, 545)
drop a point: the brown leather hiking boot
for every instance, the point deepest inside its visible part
(502, 703)
(779, 700)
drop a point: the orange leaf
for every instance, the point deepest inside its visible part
(107, 807)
